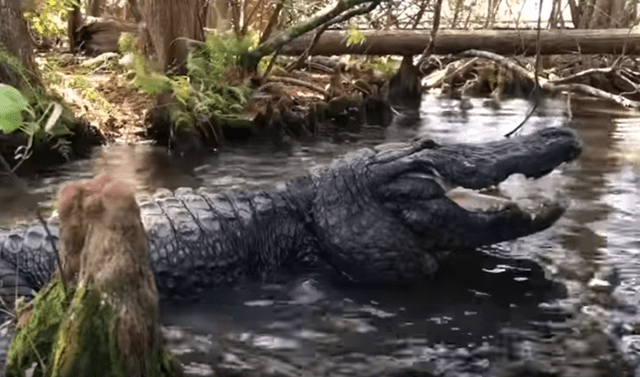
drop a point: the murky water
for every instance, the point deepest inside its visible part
(542, 304)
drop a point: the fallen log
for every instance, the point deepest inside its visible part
(504, 42)
(98, 36)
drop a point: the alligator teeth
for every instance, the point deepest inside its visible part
(474, 201)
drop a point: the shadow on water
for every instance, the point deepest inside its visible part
(503, 310)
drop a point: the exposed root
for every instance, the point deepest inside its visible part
(617, 78)
(545, 84)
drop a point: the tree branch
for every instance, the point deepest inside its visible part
(252, 58)
(550, 86)
(355, 12)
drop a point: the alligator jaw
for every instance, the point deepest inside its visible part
(417, 187)
(482, 166)
(539, 214)
(472, 200)
(485, 165)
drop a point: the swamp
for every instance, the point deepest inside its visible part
(216, 97)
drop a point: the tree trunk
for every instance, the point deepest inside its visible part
(74, 22)
(15, 37)
(504, 42)
(273, 21)
(237, 15)
(111, 325)
(133, 11)
(171, 23)
(602, 14)
(95, 7)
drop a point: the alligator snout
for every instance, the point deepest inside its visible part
(566, 139)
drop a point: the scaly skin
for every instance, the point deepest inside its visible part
(376, 215)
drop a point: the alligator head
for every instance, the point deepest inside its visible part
(384, 215)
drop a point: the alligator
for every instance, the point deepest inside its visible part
(380, 215)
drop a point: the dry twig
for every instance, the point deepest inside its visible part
(550, 86)
(292, 81)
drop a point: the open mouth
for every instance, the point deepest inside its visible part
(541, 210)
(475, 200)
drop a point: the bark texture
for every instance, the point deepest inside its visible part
(602, 14)
(170, 24)
(13, 33)
(505, 42)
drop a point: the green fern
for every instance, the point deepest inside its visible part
(204, 91)
(147, 80)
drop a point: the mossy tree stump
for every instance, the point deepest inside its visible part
(99, 315)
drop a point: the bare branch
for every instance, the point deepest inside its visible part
(253, 57)
(549, 86)
(355, 12)
(304, 84)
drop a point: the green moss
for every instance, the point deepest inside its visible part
(75, 339)
(36, 339)
(91, 321)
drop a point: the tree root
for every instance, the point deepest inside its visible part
(560, 85)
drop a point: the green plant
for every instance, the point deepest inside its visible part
(208, 67)
(12, 103)
(354, 36)
(127, 43)
(143, 76)
(146, 79)
(14, 65)
(205, 91)
(49, 18)
(492, 79)
(30, 110)
(211, 61)
(41, 121)
(387, 66)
